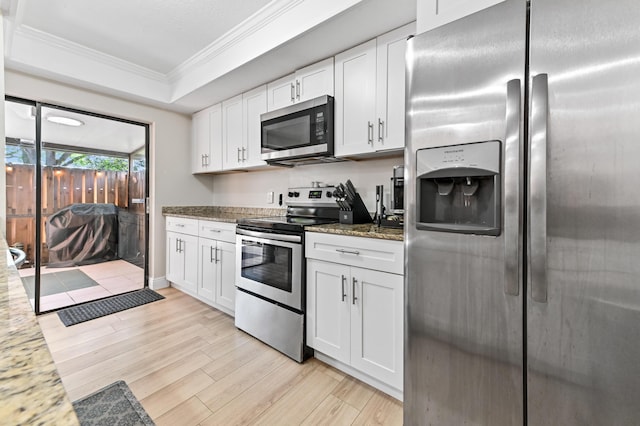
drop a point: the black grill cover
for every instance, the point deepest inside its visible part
(82, 234)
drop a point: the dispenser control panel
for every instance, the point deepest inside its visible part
(481, 155)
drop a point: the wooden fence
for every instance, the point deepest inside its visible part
(61, 187)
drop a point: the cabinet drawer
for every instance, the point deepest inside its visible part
(221, 231)
(182, 225)
(370, 253)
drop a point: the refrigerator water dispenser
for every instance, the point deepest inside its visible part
(458, 188)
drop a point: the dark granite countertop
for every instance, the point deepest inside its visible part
(220, 214)
(30, 387)
(367, 230)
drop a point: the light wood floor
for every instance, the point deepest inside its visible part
(188, 365)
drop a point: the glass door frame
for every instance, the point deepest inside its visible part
(38, 185)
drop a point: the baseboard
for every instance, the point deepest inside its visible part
(395, 393)
(203, 300)
(157, 283)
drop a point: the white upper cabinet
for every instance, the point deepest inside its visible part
(306, 83)
(390, 87)
(232, 144)
(206, 142)
(370, 79)
(241, 129)
(434, 13)
(254, 103)
(355, 100)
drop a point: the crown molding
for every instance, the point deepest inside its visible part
(249, 26)
(79, 50)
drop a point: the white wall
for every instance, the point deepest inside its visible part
(170, 155)
(249, 189)
(3, 174)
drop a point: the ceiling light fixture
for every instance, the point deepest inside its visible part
(67, 121)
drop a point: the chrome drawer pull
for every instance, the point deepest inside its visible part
(343, 251)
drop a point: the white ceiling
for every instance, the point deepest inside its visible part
(95, 132)
(185, 55)
(155, 34)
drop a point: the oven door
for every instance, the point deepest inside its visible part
(270, 265)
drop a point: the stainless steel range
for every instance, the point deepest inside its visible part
(270, 270)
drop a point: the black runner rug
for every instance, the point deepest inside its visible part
(112, 405)
(111, 305)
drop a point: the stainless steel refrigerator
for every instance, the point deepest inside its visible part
(522, 217)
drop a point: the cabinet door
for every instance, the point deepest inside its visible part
(390, 76)
(254, 103)
(328, 306)
(377, 325)
(207, 269)
(314, 80)
(232, 133)
(215, 138)
(175, 258)
(207, 140)
(200, 141)
(355, 100)
(434, 13)
(281, 93)
(190, 259)
(226, 289)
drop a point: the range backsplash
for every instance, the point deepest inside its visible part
(250, 189)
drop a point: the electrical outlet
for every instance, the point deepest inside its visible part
(270, 197)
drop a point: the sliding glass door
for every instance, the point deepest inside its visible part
(89, 180)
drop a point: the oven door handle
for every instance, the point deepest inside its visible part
(270, 236)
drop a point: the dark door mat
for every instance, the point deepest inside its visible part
(58, 282)
(111, 305)
(111, 405)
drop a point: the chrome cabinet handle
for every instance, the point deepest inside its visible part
(512, 190)
(177, 247)
(537, 232)
(238, 156)
(202, 160)
(217, 259)
(353, 291)
(343, 251)
(180, 225)
(211, 259)
(206, 159)
(243, 151)
(179, 241)
(293, 94)
(370, 132)
(380, 130)
(215, 230)
(298, 89)
(344, 294)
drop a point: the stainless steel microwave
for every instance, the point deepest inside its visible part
(299, 134)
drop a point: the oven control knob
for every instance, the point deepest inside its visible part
(290, 194)
(329, 194)
(296, 194)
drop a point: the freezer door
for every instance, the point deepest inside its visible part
(583, 316)
(464, 300)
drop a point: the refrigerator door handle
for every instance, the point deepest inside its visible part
(537, 237)
(512, 170)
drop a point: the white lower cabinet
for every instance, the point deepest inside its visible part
(182, 266)
(201, 260)
(216, 272)
(355, 314)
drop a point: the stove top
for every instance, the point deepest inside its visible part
(284, 223)
(306, 206)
